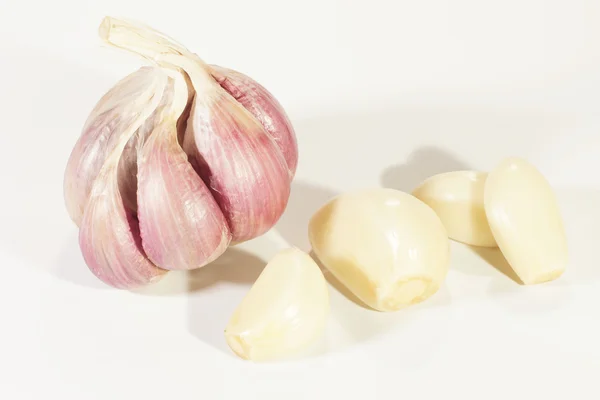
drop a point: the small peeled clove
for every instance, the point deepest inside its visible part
(181, 224)
(525, 219)
(109, 233)
(457, 198)
(388, 248)
(285, 311)
(115, 110)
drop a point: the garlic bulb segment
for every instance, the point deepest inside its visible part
(117, 108)
(285, 311)
(242, 164)
(181, 224)
(525, 219)
(387, 247)
(109, 233)
(110, 241)
(264, 107)
(457, 198)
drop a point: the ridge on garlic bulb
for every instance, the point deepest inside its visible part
(176, 162)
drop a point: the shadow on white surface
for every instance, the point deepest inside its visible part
(209, 304)
(72, 268)
(48, 99)
(305, 199)
(421, 164)
(494, 258)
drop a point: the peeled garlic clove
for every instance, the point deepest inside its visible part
(117, 108)
(284, 312)
(525, 219)
(240, 163)
(264, 107)
(110, 241)
(181, 224)
(387, 247)
(457, 198)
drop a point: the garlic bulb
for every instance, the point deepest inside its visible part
(284, 312)
(457, 198)
(182, 157)
(388, 248)
(525, 219)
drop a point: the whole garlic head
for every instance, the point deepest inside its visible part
(387, 247)
(207, 159)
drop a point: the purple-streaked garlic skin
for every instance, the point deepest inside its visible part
(98, 139)
(110, 241)
(240, 162)
(181, 225)
(264, 107)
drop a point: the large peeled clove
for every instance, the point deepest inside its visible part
(387, 247)
(264, 107)
(181, 224)
(117, 108)
(109, 234)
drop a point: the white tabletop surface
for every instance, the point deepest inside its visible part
(381, 93)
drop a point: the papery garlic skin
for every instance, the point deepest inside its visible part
(109, 233)
(117, 108)
(387, 247)
(239, 161)
(285, 311)
(264, 107)
(181, 224)
(526, 221)
(457, 198)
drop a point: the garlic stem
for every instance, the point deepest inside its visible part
(156, 47)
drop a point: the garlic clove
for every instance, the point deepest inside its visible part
(241, 164)
(264, 107)
(387, 247)
(284, 312)
(109, 238)
(117, 108)
(181, 224)
(109, 232)
(457, 198)
(525, 219)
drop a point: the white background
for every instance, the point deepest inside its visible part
(381, 93)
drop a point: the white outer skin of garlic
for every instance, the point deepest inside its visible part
(457, 198)
(387, 247)
(285, 311)
(526, 221)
